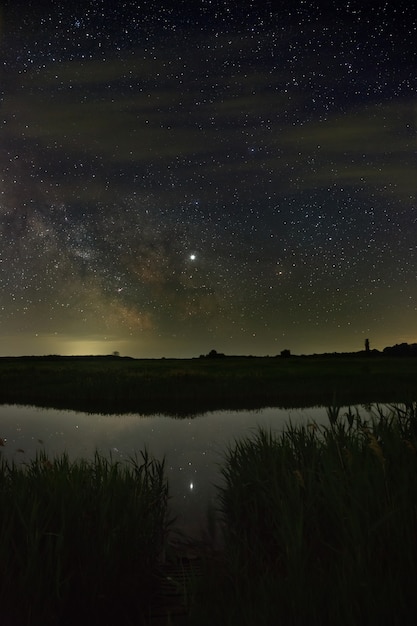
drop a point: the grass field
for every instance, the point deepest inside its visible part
(190, 386)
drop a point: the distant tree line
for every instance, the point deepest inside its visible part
(213, 354)
(401, 349)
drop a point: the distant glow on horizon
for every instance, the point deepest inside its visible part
(87, 347)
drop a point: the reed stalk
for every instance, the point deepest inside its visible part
(320, 524)
(79, 541)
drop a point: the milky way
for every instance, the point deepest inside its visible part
(186, 176)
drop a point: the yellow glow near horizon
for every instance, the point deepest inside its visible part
(87, 346)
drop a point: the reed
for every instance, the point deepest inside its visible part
(320, 525)
(79, 541)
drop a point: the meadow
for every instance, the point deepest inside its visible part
(190, 386)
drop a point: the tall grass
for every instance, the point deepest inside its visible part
(79, 541)
(320, 525)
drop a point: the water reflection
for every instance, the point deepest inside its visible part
(193, 448)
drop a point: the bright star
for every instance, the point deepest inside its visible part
(192, 257)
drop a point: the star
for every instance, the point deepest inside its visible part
(171, 176)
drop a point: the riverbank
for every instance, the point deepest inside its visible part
(185, 387)
(317, 524)
(80, 541)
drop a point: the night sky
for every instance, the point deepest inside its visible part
(187, 176)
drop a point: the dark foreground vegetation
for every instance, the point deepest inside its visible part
(80, 542)
(318, 527)
(190, 386)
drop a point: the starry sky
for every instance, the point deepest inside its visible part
(184, 176)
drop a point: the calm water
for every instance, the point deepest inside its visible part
(193, 448)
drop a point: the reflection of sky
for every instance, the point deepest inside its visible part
(193, 448)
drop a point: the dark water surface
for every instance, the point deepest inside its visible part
(193, 448)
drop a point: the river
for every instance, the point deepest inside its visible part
(193, 447)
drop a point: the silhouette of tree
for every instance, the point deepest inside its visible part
(213, 354)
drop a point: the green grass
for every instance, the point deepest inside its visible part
(320, 526)
(191, 386)
(80, 541)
